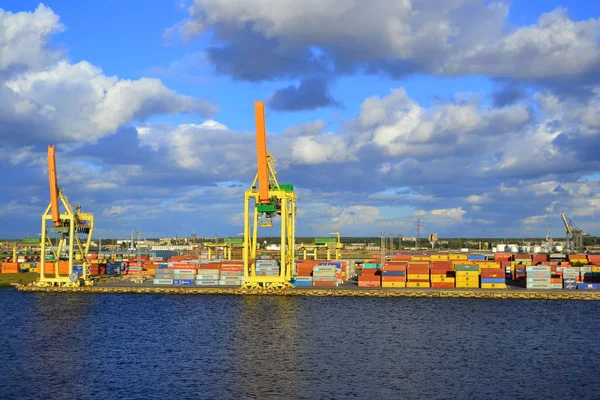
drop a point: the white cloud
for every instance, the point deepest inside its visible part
(42, 95)
(23, 38)
(449, 38)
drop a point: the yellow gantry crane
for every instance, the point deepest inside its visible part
(73, 227)
(268, 200)
(574, 236)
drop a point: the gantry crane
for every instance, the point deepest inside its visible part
(269, 199)
(326, 244)
(574, 236)
(72, 228)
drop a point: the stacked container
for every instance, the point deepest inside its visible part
(467, 276)
(267, 268)
(164, 276)
(303, 274)
(442, 275)
(324, 275)
(493, 278)
(539, 277)
(570, 276)
(393, 274)
(231, 274)
(418, 275)
(207, 274)
(370, 275)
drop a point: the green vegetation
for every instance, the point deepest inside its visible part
(7, 279)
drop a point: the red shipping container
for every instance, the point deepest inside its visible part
(394, 267)
(369, 283)
(370, 272)
(231, 268)
(403, 257)
(318, 283)
(442, 284)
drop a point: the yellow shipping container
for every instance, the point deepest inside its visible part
(33, 269)
(418, 276)
(440, 276)
(461, 281)
(467, 285)
(467, 274)
(458, 257)
(418, 284)
(493, 285)
(489, 265)
(595, 269)
(438, 279)
(78, 256)
(393, 284)
(439, 257)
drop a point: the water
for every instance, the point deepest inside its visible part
(230, 347)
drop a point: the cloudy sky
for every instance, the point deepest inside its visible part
(480, 117)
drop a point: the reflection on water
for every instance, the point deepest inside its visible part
(228, 347)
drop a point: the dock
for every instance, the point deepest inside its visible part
(516, 294)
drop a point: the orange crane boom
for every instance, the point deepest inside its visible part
(261, 152)
(53, 186)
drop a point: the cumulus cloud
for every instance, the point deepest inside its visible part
(311, 93)
(451, 38)
(44, 96)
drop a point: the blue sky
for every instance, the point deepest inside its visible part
(481, 118)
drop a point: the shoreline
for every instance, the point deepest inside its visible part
(333, 292)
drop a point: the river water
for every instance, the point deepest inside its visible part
(96, 346)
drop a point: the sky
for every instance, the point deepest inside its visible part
(481, 118)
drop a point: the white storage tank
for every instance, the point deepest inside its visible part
(537, 249)
(501, 248)
(494, 249)
(558, 248)
(513, 248)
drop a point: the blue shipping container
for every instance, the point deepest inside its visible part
(493, 280)
(393, 273)
(588, 286)
(183, 281)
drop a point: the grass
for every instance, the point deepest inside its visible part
(7, 279)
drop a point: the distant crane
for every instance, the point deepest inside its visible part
(74, 228)
(574, 235)
(265, 200)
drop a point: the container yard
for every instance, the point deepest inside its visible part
(63, 259)
(500, 275)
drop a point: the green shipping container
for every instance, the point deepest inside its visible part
(371, 265)
(467, 268)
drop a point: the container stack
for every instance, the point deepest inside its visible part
(467, 276)
(208, 274)
(370, 275)
(184, 273)
(539, 277)
(267, 268)
(10, 268)
(303, 274)
(570, 277)
(324, 275)
(442, 275)
(588, 279)
(493, 278)
(231, 274)
(164, 276)
(114, 268)
(418, 275)
(393, 274)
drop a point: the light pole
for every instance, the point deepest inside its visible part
(139, 255)
(382, 247)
